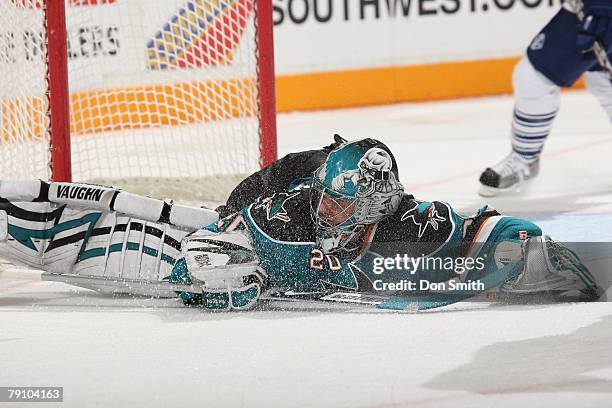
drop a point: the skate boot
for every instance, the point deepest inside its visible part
(507, 176)
(552, 271)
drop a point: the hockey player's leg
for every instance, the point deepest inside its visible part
(553, 60)
(27, 227)
(93, 235)
(598, 84)
(38, 233)
(552, 269)
(543, 267)
(86, 246)
(500, 239)
(537, 101)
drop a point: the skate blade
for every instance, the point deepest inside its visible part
(487, 191)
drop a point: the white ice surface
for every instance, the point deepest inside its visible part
(109, 352)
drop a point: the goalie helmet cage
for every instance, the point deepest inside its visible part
(171, 98)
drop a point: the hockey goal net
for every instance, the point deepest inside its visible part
(162, 97)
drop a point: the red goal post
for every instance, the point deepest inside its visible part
(59, 96)
(154, 96)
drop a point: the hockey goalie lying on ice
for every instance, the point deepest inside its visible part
(332, 224)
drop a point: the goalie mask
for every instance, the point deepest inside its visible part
(357, 186)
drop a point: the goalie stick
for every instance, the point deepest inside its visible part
(402, 301)
(349, 299)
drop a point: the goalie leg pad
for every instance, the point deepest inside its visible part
(42, 235)
(64, 240)
(108, 199)
(553, 268)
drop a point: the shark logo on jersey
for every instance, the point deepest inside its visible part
(538, 42)
(424, 214)
(275, 206)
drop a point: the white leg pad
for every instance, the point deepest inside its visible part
(61, 239)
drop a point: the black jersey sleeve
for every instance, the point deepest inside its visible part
(417, 228)
(275, 178)
(284, 217)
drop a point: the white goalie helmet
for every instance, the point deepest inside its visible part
(357, 186)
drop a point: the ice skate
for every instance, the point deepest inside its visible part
(507, 176)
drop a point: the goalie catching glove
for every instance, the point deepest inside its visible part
(225, 265)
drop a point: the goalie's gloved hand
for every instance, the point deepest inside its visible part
(226, 265)
(596, 25)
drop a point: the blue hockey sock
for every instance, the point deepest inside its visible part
(529, 132)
